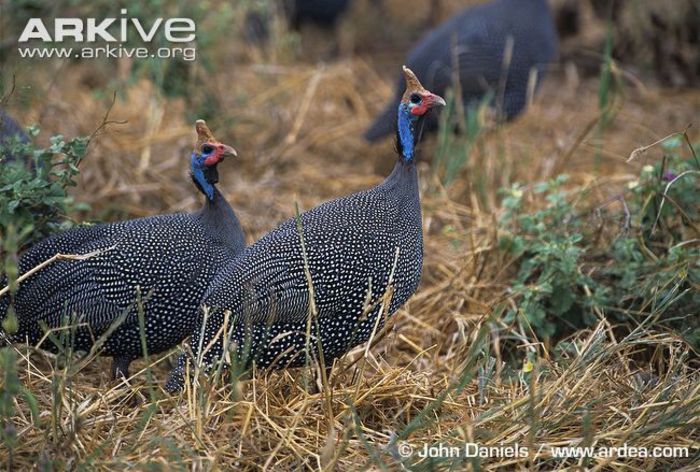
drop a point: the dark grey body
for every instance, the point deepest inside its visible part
(320, 12)
(351, 246)
(171, 258)
(481, 34)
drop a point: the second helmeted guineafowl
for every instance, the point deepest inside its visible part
(491, 48)
(169, 259)
(324, 13)
(359, 258)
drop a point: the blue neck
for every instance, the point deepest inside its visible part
(406, 134)
(198, 177)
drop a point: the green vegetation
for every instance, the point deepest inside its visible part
(453, 150)
(575, 266)
(34, 199)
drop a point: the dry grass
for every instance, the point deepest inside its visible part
(599, 398)
(427, 381)
(272, 422)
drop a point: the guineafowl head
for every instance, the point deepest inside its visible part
(414, 106)
(207, 154)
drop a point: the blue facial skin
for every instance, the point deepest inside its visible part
(197, 168)
(406, 120)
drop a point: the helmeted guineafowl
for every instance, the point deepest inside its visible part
(362, 250)
(478, 38)
(171, 259)
(324, 13)
(10, 131)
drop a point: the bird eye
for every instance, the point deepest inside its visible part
(207, 149)
(415, 98)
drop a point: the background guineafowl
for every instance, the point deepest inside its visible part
(170, 258)
(321, 13)
(10, 130)
(481, 36)
(356, 247)
(324, 13)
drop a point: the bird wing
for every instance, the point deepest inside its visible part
(89, 288)
(273, 283)
(72, 241)
(102, 287)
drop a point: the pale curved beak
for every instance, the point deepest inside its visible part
(435, 100)
(228, 151)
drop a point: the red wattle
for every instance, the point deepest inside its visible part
(212, 160)
(420, 110)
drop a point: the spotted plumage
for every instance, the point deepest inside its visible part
(364, 255)
(472, 45)
(169, 259)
